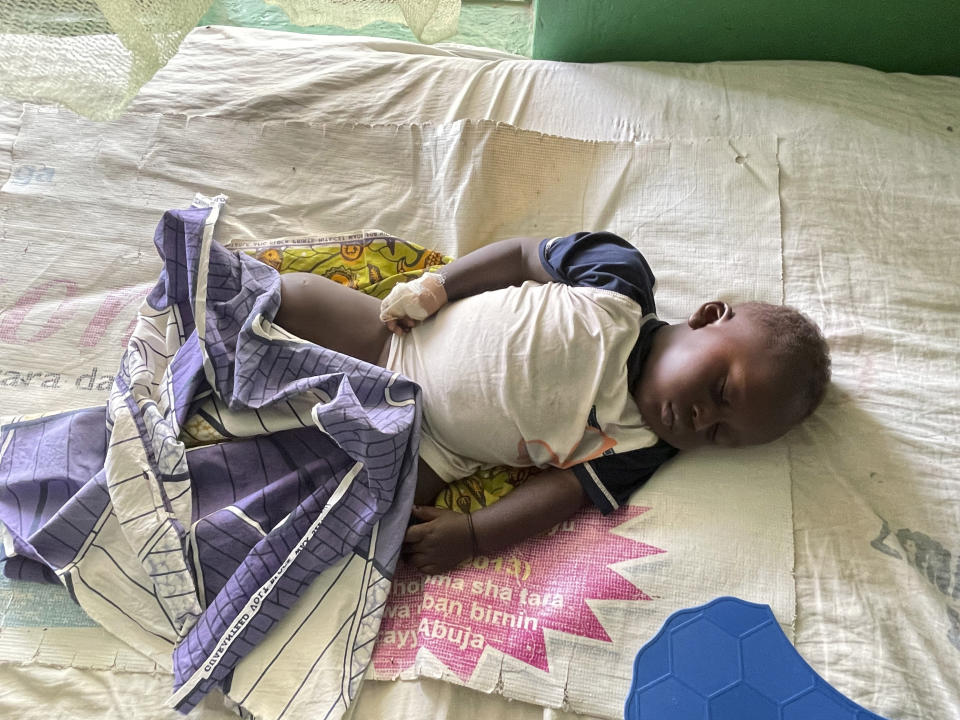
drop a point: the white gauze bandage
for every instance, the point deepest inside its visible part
(417, 299)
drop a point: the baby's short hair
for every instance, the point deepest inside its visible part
(796, 341)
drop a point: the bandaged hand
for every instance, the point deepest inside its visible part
(412, 302)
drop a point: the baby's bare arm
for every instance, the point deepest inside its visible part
(498, 265)
(442, 540)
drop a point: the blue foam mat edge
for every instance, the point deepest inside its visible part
(729, 660)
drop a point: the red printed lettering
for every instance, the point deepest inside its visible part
(12, 319)
(116, 301)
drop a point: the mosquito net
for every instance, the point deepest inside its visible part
(94, 55)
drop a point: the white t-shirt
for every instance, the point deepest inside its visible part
(540, 374)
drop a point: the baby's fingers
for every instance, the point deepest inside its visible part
(395, 327)
(399, 326)
(414, 534)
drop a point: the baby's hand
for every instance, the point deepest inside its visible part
(410, 302)
(440, 542)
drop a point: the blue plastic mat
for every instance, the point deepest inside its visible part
(729, 660)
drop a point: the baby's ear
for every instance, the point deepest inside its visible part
(709, 313)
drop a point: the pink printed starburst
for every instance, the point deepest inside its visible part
(507, 601)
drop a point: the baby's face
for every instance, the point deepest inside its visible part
(713, 382)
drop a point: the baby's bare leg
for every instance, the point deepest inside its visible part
(332, 315)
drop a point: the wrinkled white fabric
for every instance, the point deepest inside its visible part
(870, 196)
(514, 376)
(664, 195)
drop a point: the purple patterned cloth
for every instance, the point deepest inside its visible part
(201, 551)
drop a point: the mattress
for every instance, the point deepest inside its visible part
(866, 183)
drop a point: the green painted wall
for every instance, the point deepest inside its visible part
(917, 36)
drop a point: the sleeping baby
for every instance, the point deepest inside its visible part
(549, 353)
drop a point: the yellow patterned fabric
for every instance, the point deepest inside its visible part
(482, 488)
(368, 261)
(373, 262)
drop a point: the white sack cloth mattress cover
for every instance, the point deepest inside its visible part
(870, 203)
(680, 544)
